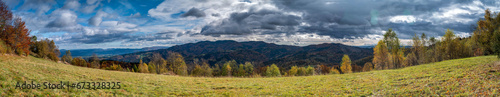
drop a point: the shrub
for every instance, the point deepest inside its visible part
(334, 71)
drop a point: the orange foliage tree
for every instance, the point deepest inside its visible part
(16, 36)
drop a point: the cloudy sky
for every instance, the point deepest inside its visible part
(145, 23)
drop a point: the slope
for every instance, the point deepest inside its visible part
(462, 77)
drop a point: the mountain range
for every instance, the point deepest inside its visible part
(257, 52)
(85, 53)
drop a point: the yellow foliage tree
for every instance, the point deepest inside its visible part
(345, 67)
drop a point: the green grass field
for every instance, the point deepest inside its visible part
(461, 77)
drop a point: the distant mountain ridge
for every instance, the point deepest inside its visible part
(107, 52)
(258, 52)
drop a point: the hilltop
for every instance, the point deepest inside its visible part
(475, 76)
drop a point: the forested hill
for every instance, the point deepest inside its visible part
(106, 52)
(260, 53)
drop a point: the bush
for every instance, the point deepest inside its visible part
(334, 71)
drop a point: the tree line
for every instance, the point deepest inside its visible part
(389, 54)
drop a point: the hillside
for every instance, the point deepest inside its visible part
(476, 76)
(259, 52)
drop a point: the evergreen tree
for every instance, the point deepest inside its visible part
(392, 42)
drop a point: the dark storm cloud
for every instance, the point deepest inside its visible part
(342, 19)
(248, 22)
(195, 12)
(98, 38)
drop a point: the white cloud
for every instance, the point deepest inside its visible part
(71, 4)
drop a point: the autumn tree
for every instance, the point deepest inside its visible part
(301, 71)
(345, 66)
(496, 43)
(226, 69)
(94, 61)
(292, 71)
(433, 52)
(79, 61)
(334, 71)
(273, 71)
(368, 67)
(67, 57)
(46, 49)
(13, 32)
(449, 45)
(177, 64)
(3, 47)
(249, 68)
(152, 68)
(380, 56)
(416, 49)
(241, 71)
(484, 33)
(393, 45)
(310, 70)
(197, 71)
(143, 68)
(159, 63)
(410, 60)
(207, 71)
(323, 69)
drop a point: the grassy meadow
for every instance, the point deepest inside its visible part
(476, 76)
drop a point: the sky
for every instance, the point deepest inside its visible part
(89, 24)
